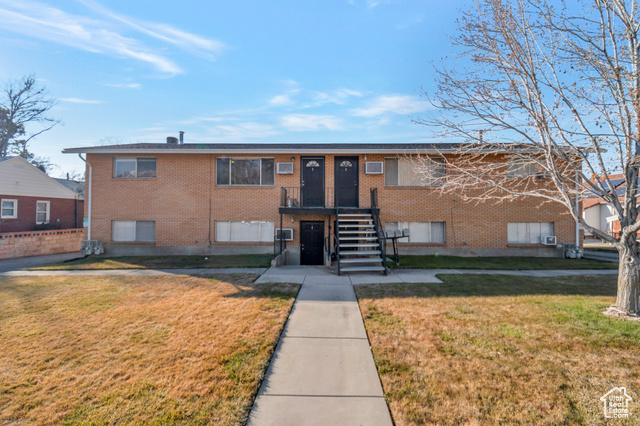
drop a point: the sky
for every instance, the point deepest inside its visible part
(226, 71)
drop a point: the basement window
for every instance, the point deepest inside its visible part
(134, 168)
(528, 233)
(138, 231)
(420, 232)
(245, 231)
(9, 209)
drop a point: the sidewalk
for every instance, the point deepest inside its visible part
(322, 372)
(30, 262)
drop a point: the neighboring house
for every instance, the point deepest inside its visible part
(232, 198)
(31, 200)
(600, 214)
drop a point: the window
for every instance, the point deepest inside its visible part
(245, 171)
(135, 168)
(400, 172)
(43, 209)
(522, 167)
(9, 209)
(346, 163)
(528, 233)
(420, 232)
(248, 231)
(139, 231)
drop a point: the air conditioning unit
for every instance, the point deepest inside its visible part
(374, 167)
(287, 234)
(285, 168)
(549, 240)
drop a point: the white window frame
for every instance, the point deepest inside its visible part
(226, 235)
(135, 160)
(525, 229)
(231, 159)
(419, 182)
(134, 240)
(47, 212)
(15, 208)
(412, 234)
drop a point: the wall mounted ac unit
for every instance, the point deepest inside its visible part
(374, 167)
(285, 168)
(549, 240)
(287, 234)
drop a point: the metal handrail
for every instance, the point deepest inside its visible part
(375, 212)
(291, 196)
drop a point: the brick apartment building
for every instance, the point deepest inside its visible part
(233, 198)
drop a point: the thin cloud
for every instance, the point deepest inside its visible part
(240, 131)
(80, 101)
(397, 104)
(309, 122)
(126, 86)
(35, 19)
(283, 99)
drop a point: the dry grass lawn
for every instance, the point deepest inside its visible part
(125, 350)
(501, 350)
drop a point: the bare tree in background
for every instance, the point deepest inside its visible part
(557, 88)
(23, 116)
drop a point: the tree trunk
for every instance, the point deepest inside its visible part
(628, 277)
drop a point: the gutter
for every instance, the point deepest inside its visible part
(88, 197)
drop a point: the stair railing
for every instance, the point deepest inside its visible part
(382, 241)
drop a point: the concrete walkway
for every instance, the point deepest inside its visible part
(322, 372)
(321, 275)
(33, 261)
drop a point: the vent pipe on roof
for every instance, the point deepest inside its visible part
(181, 137)
(171, 139)
(480, 133)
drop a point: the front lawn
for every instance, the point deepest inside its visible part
(152, 350)
(163, 262)
(501, 350)
(505, 263)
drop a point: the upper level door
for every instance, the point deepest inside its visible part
(312, 185)
(346, 181)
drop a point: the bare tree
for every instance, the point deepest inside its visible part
(558, 90)
(23, 114)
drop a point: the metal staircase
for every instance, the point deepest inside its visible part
(360, 244)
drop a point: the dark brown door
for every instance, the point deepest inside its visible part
(346, 181)
(312, 185)
(311, 243)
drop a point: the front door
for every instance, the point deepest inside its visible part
(311, 243)
(312, 185)
(346, 181)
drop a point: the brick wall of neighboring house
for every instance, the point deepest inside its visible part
(37, 243)
(185, 203)
(64, 214)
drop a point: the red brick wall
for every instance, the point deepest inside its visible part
(60, 208)
(185, 203)
(37, 243)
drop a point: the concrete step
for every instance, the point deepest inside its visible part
(360, 253)
(352, 238)
(361, 260)
(362, 269)
(347, 245)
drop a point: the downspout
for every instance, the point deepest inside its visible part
(88, 197)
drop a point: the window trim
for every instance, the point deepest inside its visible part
(438, 159)
(246, 158)
(48, 212)
(116, 159)
(15, 208)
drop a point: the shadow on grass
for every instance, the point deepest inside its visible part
(461, 285)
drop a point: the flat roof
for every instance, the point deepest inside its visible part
(289, 148)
